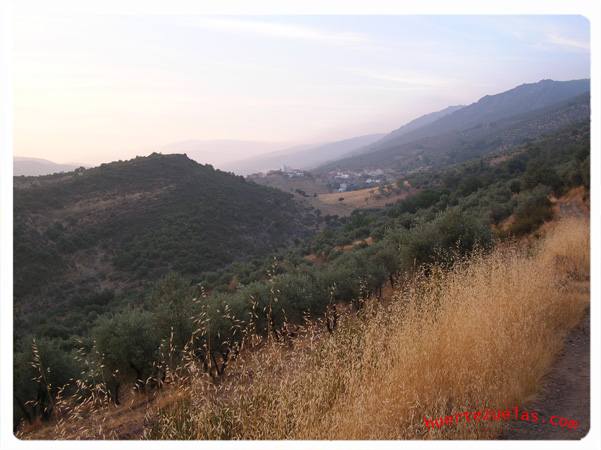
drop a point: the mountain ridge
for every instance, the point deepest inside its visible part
(28, 166)
(304, 157)
(487, 112)
(421, 121)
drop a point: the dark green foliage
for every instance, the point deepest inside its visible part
(421, 200)
(449, 216)
(129, 344)
(38, 256)
(540, 173)
(41, 368)
(533, 209)
(515, 186)
(128, 223)
(440, 240)
(469, 185)
(173, 310)
(499, 212)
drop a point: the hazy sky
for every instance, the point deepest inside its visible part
(92, 89)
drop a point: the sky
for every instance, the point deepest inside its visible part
(96, 88)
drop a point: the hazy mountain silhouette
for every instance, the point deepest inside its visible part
(302, 157)
(219, 152)
(37, 166)
(491, 123)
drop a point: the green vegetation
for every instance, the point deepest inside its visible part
(94, 240)
(129, 344)
(140, 336)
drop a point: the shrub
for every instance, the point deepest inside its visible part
(129, 343)
(534, 208)
(42, 368)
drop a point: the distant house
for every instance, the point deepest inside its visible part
(342, 175)
(292, 173)
(343, 187)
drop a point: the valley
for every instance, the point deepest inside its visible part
(157, 281)
(322, 224)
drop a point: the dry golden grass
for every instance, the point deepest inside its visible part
(347, 248)
(363, 198)
(481, 335)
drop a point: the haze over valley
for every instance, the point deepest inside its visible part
(279, 227)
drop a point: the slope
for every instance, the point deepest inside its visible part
(420, 122)
(83, 236)
(493, 123)
(23, 166)
(303, 157)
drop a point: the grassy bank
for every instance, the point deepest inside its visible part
(479, 335)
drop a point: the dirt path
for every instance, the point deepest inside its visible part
(565, 392)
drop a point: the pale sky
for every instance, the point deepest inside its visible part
(96, 88)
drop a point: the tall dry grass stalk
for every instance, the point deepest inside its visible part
(480, 335)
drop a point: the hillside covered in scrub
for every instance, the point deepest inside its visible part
(199, 328)
(437, 345)
(84, 238)
(479, 334)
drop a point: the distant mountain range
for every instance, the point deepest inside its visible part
(220, 152)
(453, 134)
(420, 122)
(309, 157)
(37, 166)
(492, 123)
(301, 157)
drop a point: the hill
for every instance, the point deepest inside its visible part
(352, 263)
(420, 122)
(495, 122)
(36, 166)
(83, 237)
(302, 157)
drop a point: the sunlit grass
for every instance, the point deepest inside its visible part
(479, 335)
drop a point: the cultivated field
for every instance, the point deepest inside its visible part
(363, 198)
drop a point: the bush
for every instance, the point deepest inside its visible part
(450, 233)
(129, 343)
(499, 212)
(41, 368)
(540, 173)
(533, 209)
(173, 309)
